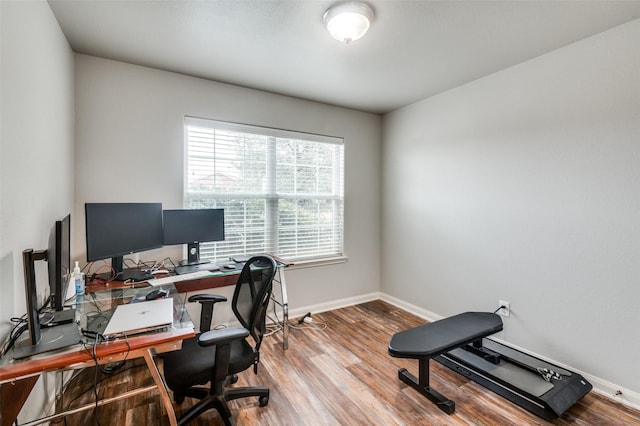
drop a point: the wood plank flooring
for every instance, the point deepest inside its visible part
(341, 375)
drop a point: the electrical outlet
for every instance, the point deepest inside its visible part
(504, 311)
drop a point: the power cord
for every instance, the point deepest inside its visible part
(275, 325)
(306, 322)
(161, 265)
(17, 330)
(103, 268)
(305, 318)
(87, 389)
(92, 351)
(21, 325)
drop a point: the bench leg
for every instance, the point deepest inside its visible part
(422, 386)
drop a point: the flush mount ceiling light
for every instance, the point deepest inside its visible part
(348, 21)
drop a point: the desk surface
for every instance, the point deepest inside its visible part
(222, 278)
(93, 311)
(217, 279)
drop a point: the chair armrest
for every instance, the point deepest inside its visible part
(207, 303)
(224, 335)
(207, 298)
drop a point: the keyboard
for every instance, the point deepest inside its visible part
(175, 278)
(187, 269)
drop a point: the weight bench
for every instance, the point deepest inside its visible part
(430, 340)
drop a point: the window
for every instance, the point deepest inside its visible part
(282, 191)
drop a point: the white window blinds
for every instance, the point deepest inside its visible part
(282, 191)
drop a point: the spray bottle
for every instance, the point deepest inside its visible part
(78, 278)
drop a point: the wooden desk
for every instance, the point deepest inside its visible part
(223, 279)
(17, 377)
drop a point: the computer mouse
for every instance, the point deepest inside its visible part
(156, 294)
(230, 266)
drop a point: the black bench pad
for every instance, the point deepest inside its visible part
(438, 337)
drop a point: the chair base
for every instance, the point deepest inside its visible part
(219, 402)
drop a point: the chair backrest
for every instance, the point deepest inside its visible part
(252, 294)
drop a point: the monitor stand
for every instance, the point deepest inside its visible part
(54, 318)
(193, 256)
(51, 338)
(193, 262)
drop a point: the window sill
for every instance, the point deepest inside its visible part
(318, 262)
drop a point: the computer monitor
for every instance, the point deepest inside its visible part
(114, 230)
(193, 227)
(59, 257)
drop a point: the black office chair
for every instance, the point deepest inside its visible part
(216, 356)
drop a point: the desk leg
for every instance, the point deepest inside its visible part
(285, 310)
(13, 396)
(284, 304)
(162, 388)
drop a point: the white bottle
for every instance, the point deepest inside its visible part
(78, 279)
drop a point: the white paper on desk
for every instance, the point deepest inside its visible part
(177, 278)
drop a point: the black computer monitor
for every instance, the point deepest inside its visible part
(193, 227)
(59, 257)
(114, 230)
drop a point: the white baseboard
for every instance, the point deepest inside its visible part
(415, 310)
(613, 391)
(600, 386)
(334, 304)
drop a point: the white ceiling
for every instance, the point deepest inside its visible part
(414, 49)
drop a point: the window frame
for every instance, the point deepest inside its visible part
(272, 197)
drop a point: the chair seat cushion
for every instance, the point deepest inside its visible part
(193, 365)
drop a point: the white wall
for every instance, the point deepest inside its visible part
(36, 147)
(129, 147)
(525, 186)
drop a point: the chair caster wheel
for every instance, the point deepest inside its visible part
(178, 399)
(234, 378)
(263, 400)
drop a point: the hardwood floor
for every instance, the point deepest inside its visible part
(341, 375)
